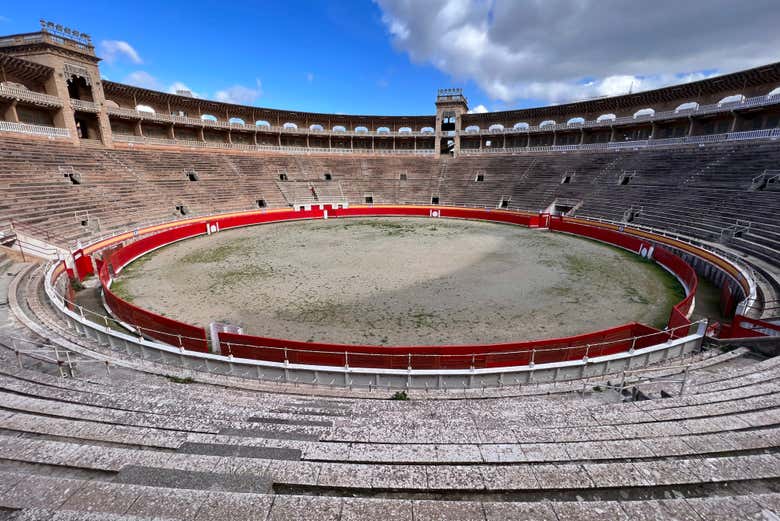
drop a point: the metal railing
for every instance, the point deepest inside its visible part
(49, 353)
(589, 350)
(771, 133)
(757, 101)
(126, 138)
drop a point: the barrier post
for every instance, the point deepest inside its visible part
(346, 360)
(587, 350)
(533, 356)
(684, 381)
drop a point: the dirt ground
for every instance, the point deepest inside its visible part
(400, 281)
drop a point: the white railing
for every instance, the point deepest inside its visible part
(8, 91)
(24, 128)
(156, 116)
(125, 138)
(758, 101)
(108, 331)
(771, 133)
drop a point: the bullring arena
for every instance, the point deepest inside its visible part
(473, 316)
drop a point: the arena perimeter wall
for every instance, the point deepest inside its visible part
(610, 341)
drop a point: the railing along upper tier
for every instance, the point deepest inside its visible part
(758, 101)
(699, 110)
(56, 38)
(36, 98)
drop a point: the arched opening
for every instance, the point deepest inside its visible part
(237, 121)
(145, 108)
(448, 121)
(521, 126)
(404, 130)
(690, 105)
(496, 127)
(317, 127)
(472, 128)
(208, 117)
(734, 98)
(111, 103)
(361, 129)
(644, 113)
(427, 130)
(606, 117)
(289, 125)
(775, 92)
(575, 121)
(547, 123)
(383, 130)
(339, 128)
(262, 123)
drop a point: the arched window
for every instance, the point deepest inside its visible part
(472, 128)
(404, 130)
(237, 121)
(383, 130)
(262, 123)
(547, 123)
(361, 129)
(427, 130)
(734, 98)
(316, 127)
(521, 125)
(290, 125)
(575, 121)
(496, 127)
(606, 117)
(644, 112)
(208, 117)
(691, 105)
(775, 92)
(339, 128)
(145, 108)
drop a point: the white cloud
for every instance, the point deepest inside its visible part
(559, 50)
(142, 79)
(112, 50)
(239, 94)
(310, 77)
(176, 86)
(479, 109)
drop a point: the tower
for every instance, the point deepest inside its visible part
(450, 105)
(75, 78)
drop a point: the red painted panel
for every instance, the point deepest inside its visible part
(83, 265)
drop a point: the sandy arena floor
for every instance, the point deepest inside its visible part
(400, 281)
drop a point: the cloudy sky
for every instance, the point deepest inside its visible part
(390, 56)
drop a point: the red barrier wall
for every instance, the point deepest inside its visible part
(191, 337)
(150, 324)
(614, 340)
(741, 328)
(679, 313)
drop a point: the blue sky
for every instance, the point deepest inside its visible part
(324, 58)
(390, 56)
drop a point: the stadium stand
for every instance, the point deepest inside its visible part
(90, 432)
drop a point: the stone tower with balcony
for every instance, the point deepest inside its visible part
(451, 104)
(74, 78)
